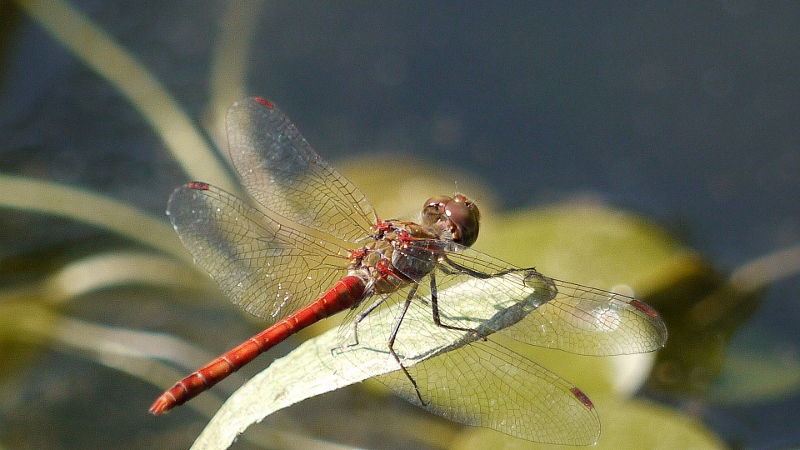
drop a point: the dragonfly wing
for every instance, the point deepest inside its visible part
(485, 384)
(590, 321)
(268, 269)
(562, 315)
(284, 174)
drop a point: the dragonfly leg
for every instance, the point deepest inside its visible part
(393, 336)
(458, 268)
(361, 317)
(437, 319)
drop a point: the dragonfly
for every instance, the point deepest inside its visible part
(306, 244)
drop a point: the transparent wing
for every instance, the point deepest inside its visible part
(577, 319)
(485, 384)
(268, 269)
(590, 321)
(282, 172)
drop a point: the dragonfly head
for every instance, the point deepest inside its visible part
(457, 215)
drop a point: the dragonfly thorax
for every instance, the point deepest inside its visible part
(399, 253)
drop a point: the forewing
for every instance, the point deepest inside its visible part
(282, 172)
(577, 319)
(268, 269)
(590, 321)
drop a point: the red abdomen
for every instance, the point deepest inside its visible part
(346, 293)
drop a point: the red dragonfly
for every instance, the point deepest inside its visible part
(308, 244)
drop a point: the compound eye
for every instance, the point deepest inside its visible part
(466, 217)
(458, 215)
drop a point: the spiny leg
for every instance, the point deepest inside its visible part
(393, 336)
(458, 268)
(362, 315)
(437, 319)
